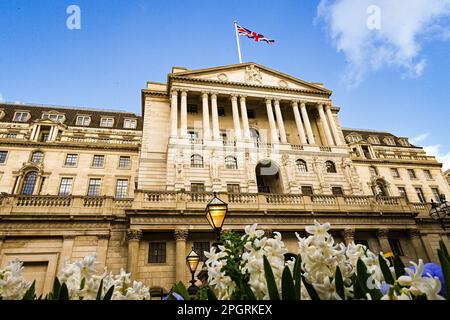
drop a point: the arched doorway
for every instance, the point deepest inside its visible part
(268, 177)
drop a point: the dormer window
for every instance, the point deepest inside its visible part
(353, 138)
(21, 116)
(374, 140)
(389, 141)
(107, 122)
(83, 121)
(404, 142)
(54, 117)
(130, 124)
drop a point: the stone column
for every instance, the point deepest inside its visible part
(298, 121)
(236, 121)
(280, 121)
(349, 236)
(181, 236)
(305, 117)
(334, 129)
(245, 124)
(205, 107)
(174, 114)
(272, 124)
(134, 238)
(326, 128)
(416, 240)
(215, 117)
(102, 250)
(383, 235)
(184, 132)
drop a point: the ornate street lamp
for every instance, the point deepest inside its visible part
(216, 211)
(439, 211)
(192, 261)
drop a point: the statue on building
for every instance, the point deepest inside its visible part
(252, 74)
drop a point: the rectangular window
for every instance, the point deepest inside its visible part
(157, 252)
(94, 187)
(192, 109)
(83, 121)
(124, 162)
(221, 111)
(428, 174)
(337, 191)
(107, 122)
(200, 248)
(130, 124)
(197, 187)
(395, 173)
(20, 117)
(121, 188)
(65, 189)
(412, 174)
(71, 160)
(396, 247)
(233, 188)
(307, 191)
(420, 195)
(402, 192)
(98, 161)
(251, 114)
(436, 194)
(3, 155)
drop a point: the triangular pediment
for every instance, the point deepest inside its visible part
(250, 74)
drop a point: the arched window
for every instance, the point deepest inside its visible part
(37, 157)
(231, 163)
(301, 165)
(331, 167)
(29, 183)
(196, 161)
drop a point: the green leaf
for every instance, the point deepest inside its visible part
(445, 263)
(310, 289)
(31, 292)
(270, 279)
(64, 293)
(287, 285)
(298, 277)
(387, 274)
(109, 294)
(100, 289)
(399, 267)
(339, 282)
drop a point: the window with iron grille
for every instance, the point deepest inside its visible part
(71, 160)
(196, 161)
(197, 187)
(121, 188)
(29, 183)
(301, 165)
(307, 191)
(396, 247)
(3, 155)
(94, 187)
(231, 163)
(124, 162)
(98, 161)
(233, 188)
(65, 189)
(200, 248)
(157, 252)
(337, 191)
(37, 157)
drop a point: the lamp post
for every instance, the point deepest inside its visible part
(192, 261)
(216, 212)
(439, 211)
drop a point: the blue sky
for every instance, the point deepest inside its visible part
(394, 79)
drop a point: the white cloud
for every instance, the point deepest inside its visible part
(420, 138)
(404, 26)
(441, 157)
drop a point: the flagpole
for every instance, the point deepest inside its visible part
(238, 41)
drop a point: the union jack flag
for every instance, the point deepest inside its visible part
(253, 35)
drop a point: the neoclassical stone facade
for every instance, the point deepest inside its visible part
(269, 144)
